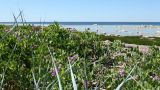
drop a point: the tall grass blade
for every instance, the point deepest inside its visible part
(14, 25)
(22, 18)
(2, 80)
(72, 76)
(57, 75)
(35, 82)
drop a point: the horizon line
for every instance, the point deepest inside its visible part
(89, 21)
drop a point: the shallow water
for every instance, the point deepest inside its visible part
(124, 30)
(109, 28)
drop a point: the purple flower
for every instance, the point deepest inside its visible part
(155, 78)
(144, 49)
(122, 72)
(53, 73)
(73, 58)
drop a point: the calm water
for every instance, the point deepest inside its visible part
(116, 28)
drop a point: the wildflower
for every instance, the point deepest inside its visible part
(19, 38)
(122, 72)
(73, 58)
(155, 78)
(143, 49)
(53, 73)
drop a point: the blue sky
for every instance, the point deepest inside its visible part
(82, 10)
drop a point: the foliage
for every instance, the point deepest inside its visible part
(53, 57)
(2, 27)
(139, 40)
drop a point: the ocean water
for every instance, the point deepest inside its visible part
(110, 28)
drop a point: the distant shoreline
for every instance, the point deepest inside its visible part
(145, 29)
(89, 23)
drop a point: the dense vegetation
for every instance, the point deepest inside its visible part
(139, 40)
(55, 58)
(2, 27)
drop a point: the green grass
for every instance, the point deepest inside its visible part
(55, 58)
(139, 40)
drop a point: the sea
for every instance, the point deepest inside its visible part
(147, 29)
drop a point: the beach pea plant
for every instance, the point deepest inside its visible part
(2, 27)
(55, 58)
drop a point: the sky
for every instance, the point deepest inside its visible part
(82, 10)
